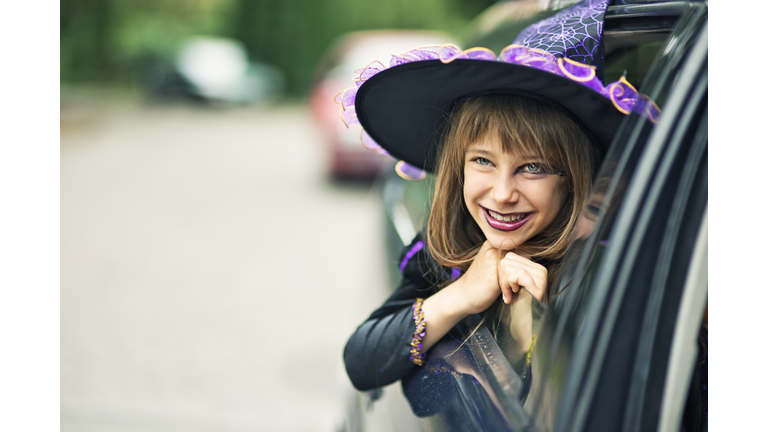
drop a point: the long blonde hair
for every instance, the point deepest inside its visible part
(523, 125)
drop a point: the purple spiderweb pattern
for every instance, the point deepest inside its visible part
(574, 33)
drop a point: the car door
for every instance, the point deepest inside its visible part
(636, 269)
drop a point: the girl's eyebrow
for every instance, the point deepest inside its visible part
(483, 152)
(479, 151)
(531, 157)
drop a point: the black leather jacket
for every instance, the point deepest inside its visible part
(377, 353)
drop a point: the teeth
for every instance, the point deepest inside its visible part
(501, 218)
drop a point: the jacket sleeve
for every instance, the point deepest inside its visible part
(377, 353)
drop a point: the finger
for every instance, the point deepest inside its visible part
(508, 293)
(506, 289)
(511, 276)
(535, 288)
(519, 261)
(486, 247)
(536, 270)
(511, 257)
(522, 278)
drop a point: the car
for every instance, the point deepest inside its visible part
(347, 158)
(618, 346)
(214, 71)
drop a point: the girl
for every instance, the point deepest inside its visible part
(514, 144)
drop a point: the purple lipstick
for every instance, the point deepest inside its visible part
(506, 221)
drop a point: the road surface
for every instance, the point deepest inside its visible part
(210, 274)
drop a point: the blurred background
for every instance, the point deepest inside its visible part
(222, 233)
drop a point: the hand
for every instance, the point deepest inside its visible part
(479, 286)
(516, 272)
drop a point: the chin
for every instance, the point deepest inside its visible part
(497, 241)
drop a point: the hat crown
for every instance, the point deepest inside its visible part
(575, 33)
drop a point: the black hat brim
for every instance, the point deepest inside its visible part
(405, 108)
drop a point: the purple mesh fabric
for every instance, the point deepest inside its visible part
(574, 32)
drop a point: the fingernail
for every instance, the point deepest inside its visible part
(504, 297)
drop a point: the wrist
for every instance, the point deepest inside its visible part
(454, 302)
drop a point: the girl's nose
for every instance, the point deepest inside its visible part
(505, 189)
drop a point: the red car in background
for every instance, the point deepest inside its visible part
(347, 156)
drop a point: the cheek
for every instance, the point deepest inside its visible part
(553, 197)
(561, 194)
(470, 187)
(583, 227)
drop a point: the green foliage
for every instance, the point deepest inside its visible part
(104, 40)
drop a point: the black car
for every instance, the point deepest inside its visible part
(621, 346)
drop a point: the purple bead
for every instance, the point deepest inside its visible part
(422, 334)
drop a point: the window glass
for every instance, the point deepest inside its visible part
(551, 330)
(633, 62)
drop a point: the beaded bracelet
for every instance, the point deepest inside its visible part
(528, 357)
(417, 356)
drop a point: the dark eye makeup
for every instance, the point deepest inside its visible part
(532, 168)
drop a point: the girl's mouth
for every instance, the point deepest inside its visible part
(506, 222)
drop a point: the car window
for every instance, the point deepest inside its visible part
(633, 59)
(632, 62)
(563, 325)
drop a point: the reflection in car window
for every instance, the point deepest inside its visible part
(570, 293)
(565, 324)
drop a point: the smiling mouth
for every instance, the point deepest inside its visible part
(506, 222)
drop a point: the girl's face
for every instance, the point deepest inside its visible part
(588, 216)
(510, 196)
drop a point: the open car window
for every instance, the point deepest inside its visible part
(608, 319)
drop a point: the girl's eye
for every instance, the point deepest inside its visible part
(482, 161)
(533, 168)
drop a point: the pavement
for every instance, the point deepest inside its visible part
(210, 273)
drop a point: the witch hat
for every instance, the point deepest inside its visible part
(404, 107)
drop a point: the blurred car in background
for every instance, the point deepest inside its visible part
(619, 349)
(215, 71)
(347, 158)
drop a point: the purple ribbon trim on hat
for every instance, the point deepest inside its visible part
(621, 93)
(415, 248)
